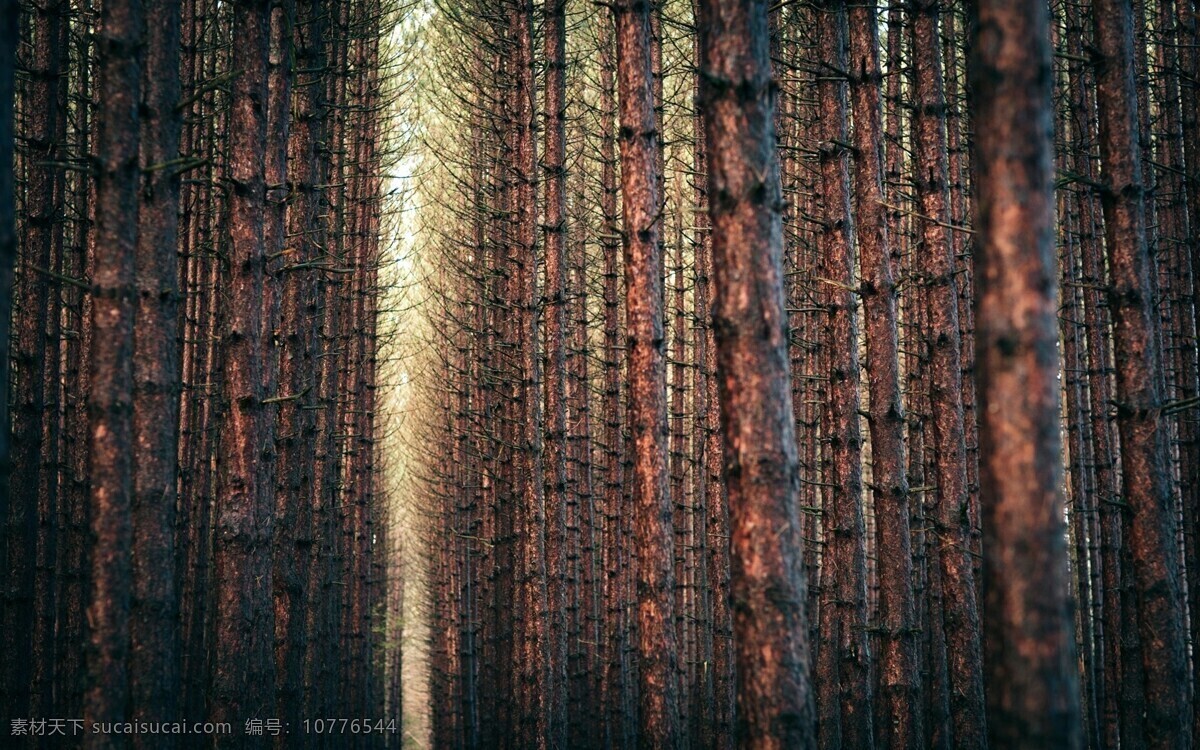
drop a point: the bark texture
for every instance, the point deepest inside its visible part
(768, 592)
(1143, 431)
(244, 674)
(641, 196)
(899, 722)
(936, 261)
(1033, 691)
(110, 402)
(154, 659)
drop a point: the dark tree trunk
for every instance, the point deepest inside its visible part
(73, 499)
(154, 630)
(40, 128)
(9, 18)
(110, 403)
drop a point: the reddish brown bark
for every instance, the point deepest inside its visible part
(532, 637)
(585, 723)
(295, 427)
(775, 707)
(198, 406)
(1033, 692)
(555, 231)
(681, 510)
(643, 256)
(715, 724)
(949, 504)
(1143, 431)
(1100, 435)
(615, 684)
(843, 660)
(243, 672)
(323, 626)
(899, 719)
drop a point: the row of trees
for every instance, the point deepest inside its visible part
(766, 338)
(193, 523)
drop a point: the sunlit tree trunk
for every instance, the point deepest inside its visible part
(844, 700)
(899, 719)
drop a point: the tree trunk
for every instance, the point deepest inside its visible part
(154, 662)
(643, 255)
(9, 21)
(899, 720)
(112, 386)
(555, 228)
(843, 664)
(950, 522)
(40, 126)
(1033, 693)
(1143, 431)
(295, 427)
(244, 674)
(775, 697)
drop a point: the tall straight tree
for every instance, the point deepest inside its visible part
(295, 426)
(843, 662)
(243, 678)
(555, 226)
(1033, 694)
(719, 685)
(8, 243)
(41, 124)
(1140, 423)
(110, 399)
(774, 692)
(534, 670)
(950, 512)
(614, 550)
(641, 202)
(154, 662)
(899, 722)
